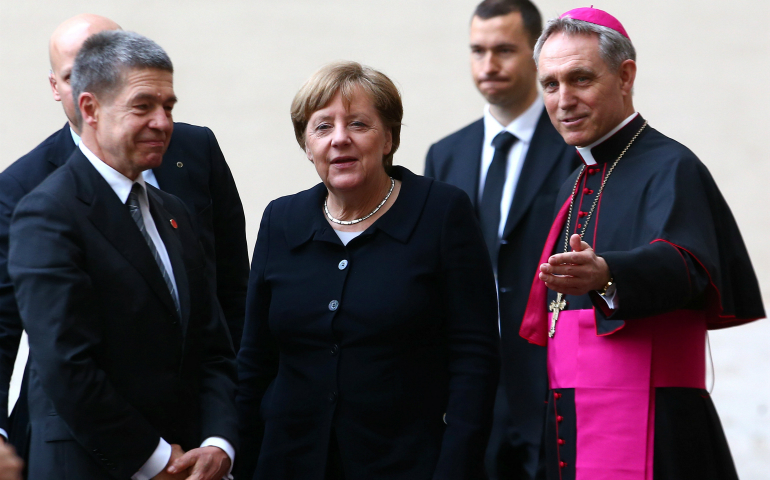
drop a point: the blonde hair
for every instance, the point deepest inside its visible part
(345, 77)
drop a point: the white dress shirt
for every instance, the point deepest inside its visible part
(121, 185)
(75, 137)
(523, 127)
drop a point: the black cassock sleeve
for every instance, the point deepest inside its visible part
(653, 279)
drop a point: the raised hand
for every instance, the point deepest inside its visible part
(576, 272)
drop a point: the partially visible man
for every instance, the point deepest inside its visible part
(130, 361)
(193, 169)
(511, 163)
(643, 257)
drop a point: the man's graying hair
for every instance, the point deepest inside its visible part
(614, 48)
(104, 58)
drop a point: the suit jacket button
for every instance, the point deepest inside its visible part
(333, 397)
(334, 305)
(335, 348)
(342, 264)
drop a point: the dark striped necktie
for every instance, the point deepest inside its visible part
(136, 214)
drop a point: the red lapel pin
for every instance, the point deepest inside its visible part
(173, 223)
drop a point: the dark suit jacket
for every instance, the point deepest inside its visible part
(193, 169)
(414, 336)
(456, 159)
(113, 367)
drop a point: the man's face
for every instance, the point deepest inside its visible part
(64, 46)
(583, 97)
(63, 55)
(501, 60)
(133, 128)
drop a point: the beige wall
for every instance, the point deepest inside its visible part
(702, 80)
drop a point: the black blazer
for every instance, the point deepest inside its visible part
(113, 367)
(402, 369)
(17, 180)
(193, 169)
(456, 159)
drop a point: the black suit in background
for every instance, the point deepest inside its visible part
(113, 367)
(456, 159)
(194, 170)
(400, 372)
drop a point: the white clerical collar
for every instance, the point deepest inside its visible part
(523, 126)
(119, 182)
(75, 136)
(585, 152)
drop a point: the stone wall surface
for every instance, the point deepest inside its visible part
(239, 63)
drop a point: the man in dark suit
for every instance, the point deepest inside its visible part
(511, 163)
(130, 361)
(193, 169)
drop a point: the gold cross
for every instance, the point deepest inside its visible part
(556, 307)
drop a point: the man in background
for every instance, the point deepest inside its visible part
(193, 169)
(511, 163)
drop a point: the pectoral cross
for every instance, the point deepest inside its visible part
(556, 306)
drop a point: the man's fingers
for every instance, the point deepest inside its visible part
(568, 285)
(183, 463)
(575, 243)
(574, 258)
(207, 472)
(208, 463)
(567, 270)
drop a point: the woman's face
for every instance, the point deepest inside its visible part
(347, 145)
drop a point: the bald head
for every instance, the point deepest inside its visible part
(65, 42)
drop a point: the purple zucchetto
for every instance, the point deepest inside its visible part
(597, 17)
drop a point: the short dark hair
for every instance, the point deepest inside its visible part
(104, 58)
(530, 15)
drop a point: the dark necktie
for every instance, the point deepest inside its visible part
(489, 209)
(136, 214)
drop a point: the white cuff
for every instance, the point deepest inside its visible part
(4, 434)
(156, 463)
(220, 442)
(611, 297)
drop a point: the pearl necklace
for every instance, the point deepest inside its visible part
(358, 220)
